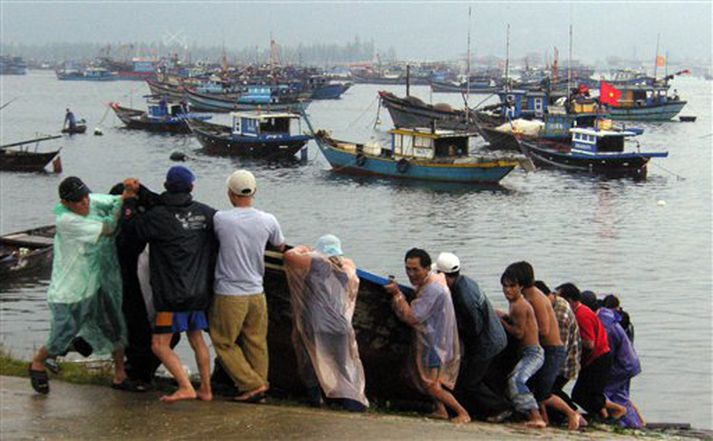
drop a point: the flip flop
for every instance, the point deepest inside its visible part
(39, 380)
(130, 386)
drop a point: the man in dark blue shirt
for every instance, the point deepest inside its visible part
(482, 338)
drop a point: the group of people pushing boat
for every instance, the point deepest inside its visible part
(203, 270)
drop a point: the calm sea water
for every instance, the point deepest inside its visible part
(649, 242)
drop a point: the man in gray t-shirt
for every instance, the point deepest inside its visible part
(238, 316)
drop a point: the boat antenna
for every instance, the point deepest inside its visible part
(656, 58)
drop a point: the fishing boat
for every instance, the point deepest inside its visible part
(26, 252)
(80, 127)
(257, 134)
(263, 97)
(169, 119)
(10, 65)
(175, 92)
(88, 74)
(415, 154)
(17, 156)
(411, 111)
(592, 150)
(646, 102)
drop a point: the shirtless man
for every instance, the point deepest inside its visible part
(551, 342)
(520, 322)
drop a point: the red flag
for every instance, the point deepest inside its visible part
(609, 94)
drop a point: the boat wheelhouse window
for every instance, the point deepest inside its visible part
(275, 125)
(449, 147)
(611, 144)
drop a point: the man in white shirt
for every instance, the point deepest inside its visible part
(238, 316)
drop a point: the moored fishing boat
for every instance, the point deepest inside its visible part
(26, 252)
(157, 119)
(254, 98)
(592, 151)
(18, 157)
(269, 135)
(413, 112)
(415, 154)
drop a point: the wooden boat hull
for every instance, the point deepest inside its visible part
(26, 252)
(445, 87)
(80, 128)
(412, 112)
(469, 171)
(208, 103)
(330, 91)
(137, 120)
(25, 161)
(217, 139)
(558, 155)
(658, 112)
(383, 340)
(175, 93)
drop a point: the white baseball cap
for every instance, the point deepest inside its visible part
(242, 183)
(447, 263)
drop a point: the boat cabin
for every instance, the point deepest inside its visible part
(428, 144)
(519, 103)
(266, 124)
(644, 96)
(592, 141)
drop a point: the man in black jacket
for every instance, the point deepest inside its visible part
(182, 251)
(482, 338)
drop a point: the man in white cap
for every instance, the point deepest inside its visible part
(238, 316)
(481, 335)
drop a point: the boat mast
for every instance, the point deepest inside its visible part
(569, 62)
(467, 68)
(656, 58)
(507, 59)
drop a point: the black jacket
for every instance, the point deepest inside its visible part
(182, 249)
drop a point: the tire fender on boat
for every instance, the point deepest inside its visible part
(360, 159)
(402, 165)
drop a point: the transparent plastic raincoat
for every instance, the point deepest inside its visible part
(85, 292)
(435, 347)
(323, 292)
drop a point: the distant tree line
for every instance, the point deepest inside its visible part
(315, 54)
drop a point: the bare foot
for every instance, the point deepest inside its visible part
(535, 424)
(247, 396)
(618, 411)
(204, 394)
(582, 421)
(461, 419)
(440, 413)
(573, 421)
(180, 394)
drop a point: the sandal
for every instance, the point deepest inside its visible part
(39, 380)
(53, 366)
(130, 386)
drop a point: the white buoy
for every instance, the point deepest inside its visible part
(98, 131)
(661, 203)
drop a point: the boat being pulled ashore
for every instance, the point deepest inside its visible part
(26, 252)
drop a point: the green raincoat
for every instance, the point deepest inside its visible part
(85, 292)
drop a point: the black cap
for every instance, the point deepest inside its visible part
(73, 189)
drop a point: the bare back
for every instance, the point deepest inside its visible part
(545, 314)
(523, 318)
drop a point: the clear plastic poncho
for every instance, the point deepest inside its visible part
(324, 293)
(85, 292)
(435, 348)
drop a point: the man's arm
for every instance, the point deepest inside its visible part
(400, 306)
(516, 326)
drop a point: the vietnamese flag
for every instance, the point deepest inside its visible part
(609, 94)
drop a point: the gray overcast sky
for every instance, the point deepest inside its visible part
(416, 30)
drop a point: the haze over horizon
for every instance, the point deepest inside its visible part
(415, 30)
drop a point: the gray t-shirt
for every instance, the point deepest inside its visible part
(243, 234)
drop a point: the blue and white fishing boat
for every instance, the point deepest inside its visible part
(166, 118)
(415, 154)
(591, 151)
(269, 135)
(88, 74)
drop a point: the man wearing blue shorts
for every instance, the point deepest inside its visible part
(182, 252)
